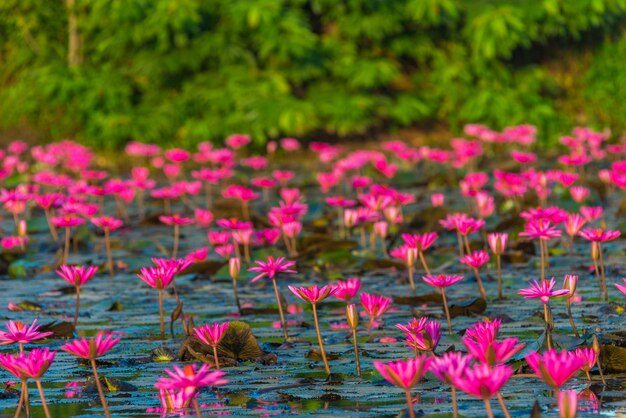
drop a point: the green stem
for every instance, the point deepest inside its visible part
(161, 314)
(445, 308)
(43, 399)
(100, 391)
(77, 306)
(319, 339)
(503, 405)
(356, 353)
(571, 319)
(409, 403)
(280, 309)
(488, 408)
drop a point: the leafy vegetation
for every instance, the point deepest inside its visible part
(190, 70)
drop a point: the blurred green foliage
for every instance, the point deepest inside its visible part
(193, 70)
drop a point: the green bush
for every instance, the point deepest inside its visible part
(196, 70)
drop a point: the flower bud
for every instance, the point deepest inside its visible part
(234, 267)
(568, 402)
(569, 282)
(352, 315)
(594, 251)
(21, 228)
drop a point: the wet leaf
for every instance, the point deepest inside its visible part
(468, 308)
(59, 329)
(613, 358)
(116, 307)
(30, 306)
(316, 355)
(418, 300)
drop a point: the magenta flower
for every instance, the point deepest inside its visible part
(211, 335)
(107, 223)
(589, 357)
(157, 277)
(375, 306)
(312, 294)
(497, 242)
(90, 349)
(35, 363)
(555, 368)
(621, 287)
(451, 365)
(492, 352)
(568, 403)
(542, 290)
(190, 379)
(476, 259)
(599, 235)
(346, 290)
(77, 275)
(420, 242)
(18, 332)
(484, 331)
(483, 381)
(540, 229)
(426, 339)
(442, 280)
(272, 267)
(405, 374)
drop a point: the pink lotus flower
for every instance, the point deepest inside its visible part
(272, 267)
(18, 332)
(375, 305)
(483, 381)
(540, 229)
(437, 199)
(589, 357)
(484, 331)
(312, 294)
(442, 280)
(157, 277)
(555, 368)
(420, 242)
(203, 218)
(497, 242)
(93, 348)
(579, 193)
(450, 366)
(542, 290)
(426, 339)
(621, 287)
(175, 219)
(476, 259)
(107, 222)
(492, 352)
(346, 290)
(599, 235)
(237, 141)
(591, 213)
(75, 275)
(211, 334)
(67, 221)
(573, 224)
(404, 373)
(189, 379)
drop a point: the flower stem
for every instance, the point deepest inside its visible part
(51, 227)
(601, 257)
(503, 405)
(66, 248)
(481, 288)
(236, 294)
(356, 353)
(18, 410)
(176, 237)
(488, 407)
(571, 319)
(217, 361)
(196, 407)
(409, 404)
(411, 280)
(445, 308)
(499, 267)
(161, 314)
(545, 318)
(543, 261)
(77, 306)
(455, 406)
(43, 399)
(423, 260)
(99, 386)
(280, 309)
(460, 241)
(319, 339)
(107, 245)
